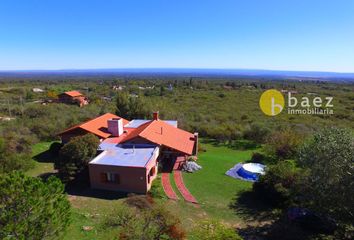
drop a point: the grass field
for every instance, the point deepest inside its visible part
(43, 164)
(212, 188)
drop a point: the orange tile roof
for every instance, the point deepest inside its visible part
(97, 126)
(121, 138)
(162, 133)
(155, 131)
(73, 93)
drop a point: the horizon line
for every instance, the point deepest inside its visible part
(173, 68)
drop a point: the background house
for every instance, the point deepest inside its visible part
(73, 97)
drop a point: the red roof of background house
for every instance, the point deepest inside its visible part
(73, 93)
(97, 126)
(162, 133)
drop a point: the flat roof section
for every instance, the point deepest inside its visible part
(127, 155)
(107, 145)
(138, 122)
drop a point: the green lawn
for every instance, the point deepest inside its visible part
(45, 164)
(211, 187)
(89, 212)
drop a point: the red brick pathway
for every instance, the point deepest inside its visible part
(166, 184)
(177, 175)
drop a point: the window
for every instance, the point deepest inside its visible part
(110, 177)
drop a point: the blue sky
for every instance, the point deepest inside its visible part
(254, 34)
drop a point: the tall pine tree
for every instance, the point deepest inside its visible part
(31, 208)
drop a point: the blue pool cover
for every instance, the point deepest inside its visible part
(248, 175)
(247, 172)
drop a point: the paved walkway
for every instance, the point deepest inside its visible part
(166, 184)
(177, 176)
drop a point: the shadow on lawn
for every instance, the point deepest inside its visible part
(250, 207)
(261, 221)
(279, 228)
(45, 157)
(83, 189)
(45, 176)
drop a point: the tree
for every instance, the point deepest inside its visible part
(122, 105)
(162, 90)
(52, 95)
(278, 185)
(329, 186)
(138, 108)
(283, 144)
(131, 107)
(75, 156)
(31, 208)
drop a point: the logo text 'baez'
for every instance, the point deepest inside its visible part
(272, 103)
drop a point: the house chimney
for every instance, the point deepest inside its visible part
(115, 126)
(156, 115)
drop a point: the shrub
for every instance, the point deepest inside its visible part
(13, 162)
(256, 133)
(244, 117)
(243, 144)
(283, 144)
(35, 111)
(31, 208)
(154, 222)
(18, 139)
(213, 230)
(118, 217)
(156, 190)
(10, 161)
(258, 157)
(278, 185)
(201, 148)
(329, 188)
(221, 95)
(138, 201)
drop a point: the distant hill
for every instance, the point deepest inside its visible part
(194, 72)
